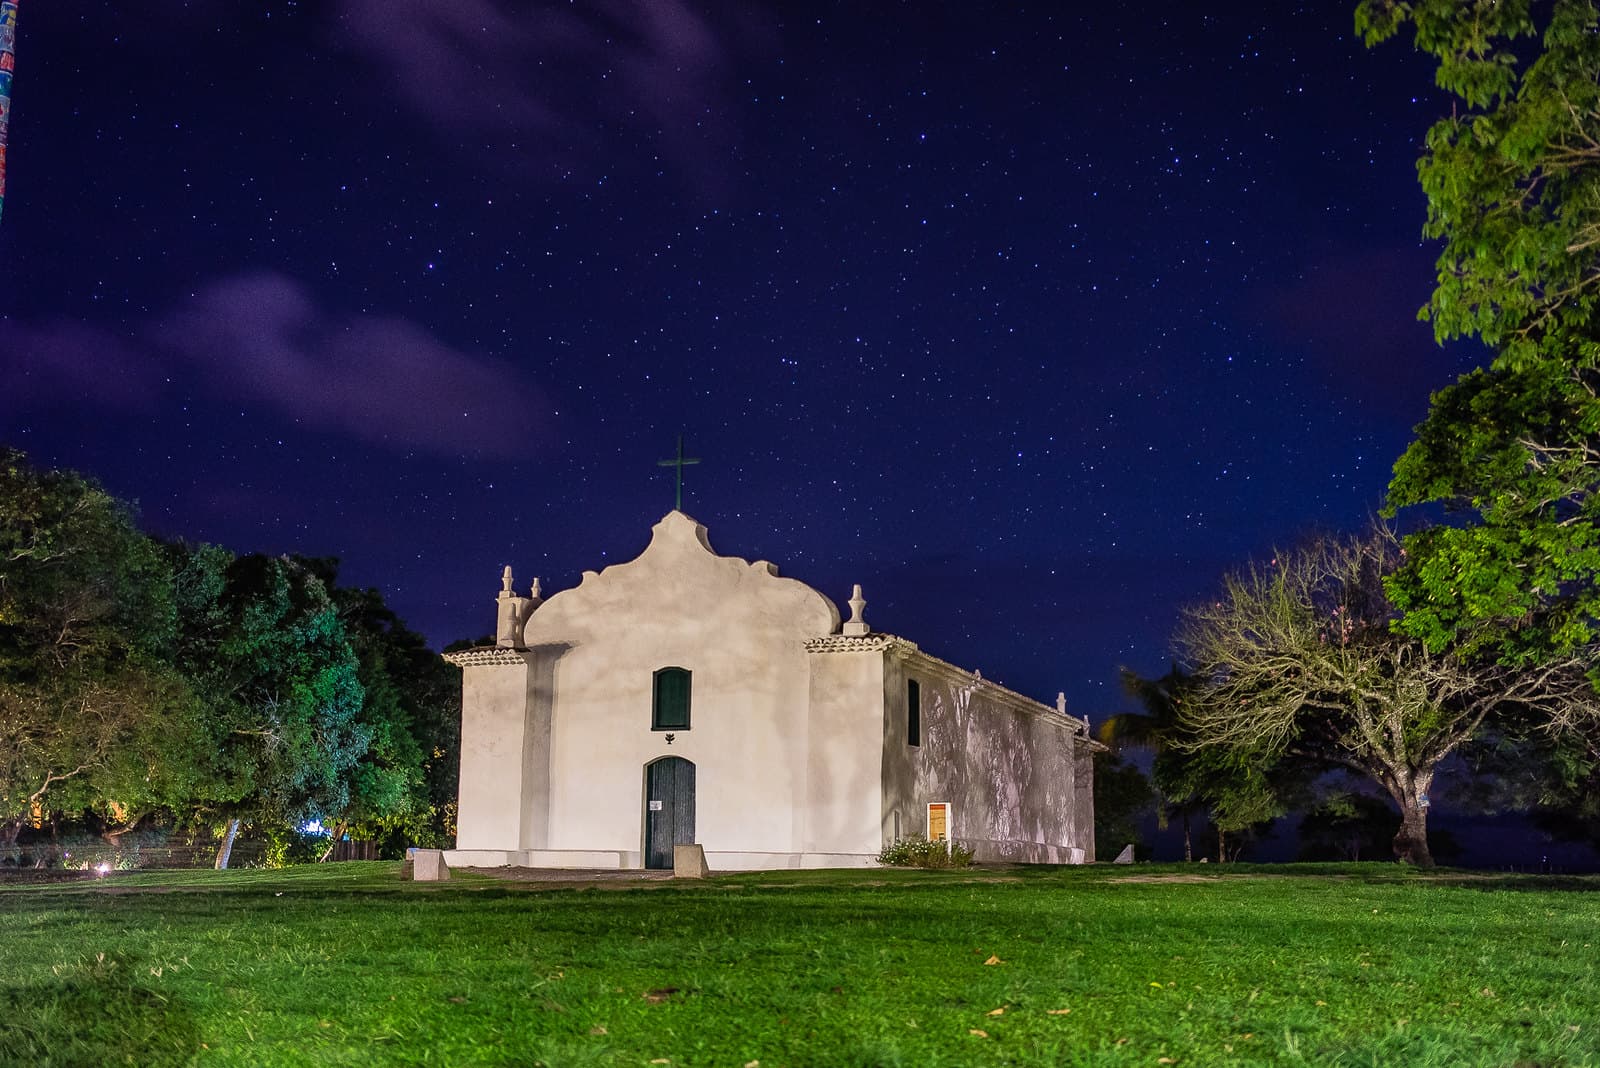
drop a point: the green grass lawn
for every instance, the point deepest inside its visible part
(346, 964)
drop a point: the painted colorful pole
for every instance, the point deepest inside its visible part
(8, 59)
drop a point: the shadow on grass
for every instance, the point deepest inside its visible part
(95, 1013)
(1522, 883)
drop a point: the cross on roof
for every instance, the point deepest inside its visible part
(680, 462)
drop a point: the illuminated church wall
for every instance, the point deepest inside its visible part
(792, 750)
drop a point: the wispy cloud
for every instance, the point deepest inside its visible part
(543, 81)
(262, 338)
(545, 88)
(381, 379)
(59, 363)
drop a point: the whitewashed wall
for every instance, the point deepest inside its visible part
(593, 651)
(1015, 773)
(494, 701)
(844, 794)
(797, 732)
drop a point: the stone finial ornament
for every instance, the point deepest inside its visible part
(511, 612)
(857, 626)
(1061, 703)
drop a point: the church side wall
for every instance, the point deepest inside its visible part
(844, 805)
(1010, 774)
(494, 700)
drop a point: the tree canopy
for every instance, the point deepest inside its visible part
(139, 677)
(1298, 657)
(1512, 177)
(88, 699)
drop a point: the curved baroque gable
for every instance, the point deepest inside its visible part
(680, 581)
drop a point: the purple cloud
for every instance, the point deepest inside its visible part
(549, 78)
(377, 378)
(550, 89)
(456, 61)
(65, 363)
(262, 338)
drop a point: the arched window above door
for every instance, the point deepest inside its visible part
(669, 706)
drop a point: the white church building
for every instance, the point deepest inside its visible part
(686, 697)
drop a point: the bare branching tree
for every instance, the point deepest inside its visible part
(1298, 657)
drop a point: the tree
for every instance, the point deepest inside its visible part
(1519, 766)
(405, 786)
(1122, 796)
(1240, 796)
(140, 677)
(1512, 178)
(271, 658)
(1346, 826)
(1158, 730)
(90, 706)
(1298, 658)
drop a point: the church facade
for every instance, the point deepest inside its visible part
(686, 697)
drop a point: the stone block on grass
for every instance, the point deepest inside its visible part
(428, 866)
(689, 862)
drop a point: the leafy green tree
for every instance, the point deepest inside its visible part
(138, 677)
(89, 703)
(270, 655)
(1298, 658)
(1241, 791)
(1512, 178)
(405, 787)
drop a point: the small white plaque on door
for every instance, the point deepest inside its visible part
(655, 806)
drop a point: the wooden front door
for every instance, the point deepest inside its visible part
(668, 809)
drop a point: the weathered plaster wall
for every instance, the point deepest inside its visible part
(1008, 767)
(844, 792)
(739, 629)
(536, 756)
(1083, 814)
(494, 703)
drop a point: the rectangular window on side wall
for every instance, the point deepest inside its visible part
(913, 712)
(669, 706)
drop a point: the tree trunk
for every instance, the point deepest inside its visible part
(1188, 847)
(9, 830)
(1411, 841)
(225, 849)
(1222, 846)
(333, 842)
(113, 835)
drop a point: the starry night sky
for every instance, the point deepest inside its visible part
(1032, 322)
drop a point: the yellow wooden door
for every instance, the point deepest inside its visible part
(938, 822)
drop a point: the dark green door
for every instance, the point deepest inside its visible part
(668, 809)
